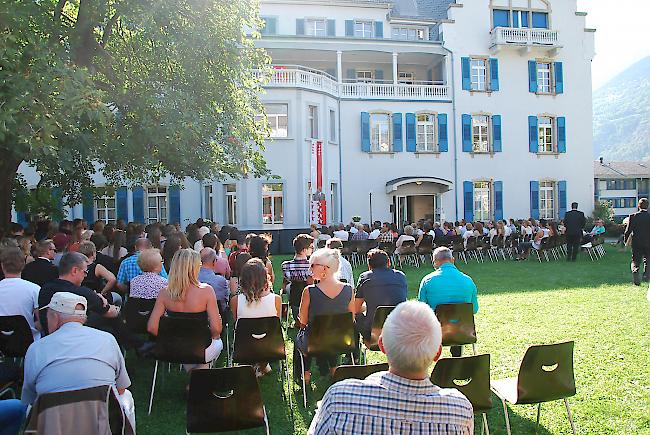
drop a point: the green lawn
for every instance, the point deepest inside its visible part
(521, 304)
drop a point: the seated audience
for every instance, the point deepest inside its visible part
(297, 270)
(208, 275)
(240, 260)
(115, 247)
(73, 357)
(149, 283)
(385, 234)
(258, 247)
(526, 247)
(211, 240)
(447, 285)
(341, 233)
(25, 245)
(105, 260)
(129, 267)
(18, 297)
(376, 230)
(61, 242)
(186, 297)
(345, 273)
(329, 296)
(41, 269)
(380, 285)
(403, 397)
(360, 233)
(98, 278)
(406, 237)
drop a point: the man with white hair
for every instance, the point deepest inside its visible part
(403, 399)
(73, 356)
(447, 285)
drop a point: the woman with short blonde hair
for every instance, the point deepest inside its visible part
(148, 284)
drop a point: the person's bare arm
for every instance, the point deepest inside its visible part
(352, 305)
(156, 313)
(37, 320)
(233, 307)
(213, 312)
(358, 304)
(121, 391)
(107, 275)
(303, 315)
(269, 271)
(278, 305)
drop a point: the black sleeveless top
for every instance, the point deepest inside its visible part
(91, 280)
(321, 304)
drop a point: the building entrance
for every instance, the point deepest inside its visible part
(412, 208)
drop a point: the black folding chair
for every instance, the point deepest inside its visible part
(136, 314)
(15, 336)
(457, 322)
(378, 320)
(225, 399)
(357, 372)
(180, 340)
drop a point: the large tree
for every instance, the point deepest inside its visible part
(135, 89)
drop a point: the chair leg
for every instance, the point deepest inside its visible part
(539, 410)
(266, 421)
(153, 385)
(474, 348)
(302, 376)
(485, 424)
(568, 413)
(505, 413)
(352, 358)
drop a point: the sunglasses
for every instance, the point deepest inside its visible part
(316, 264)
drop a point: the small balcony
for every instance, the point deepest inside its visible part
(524, 38)
(293, 76)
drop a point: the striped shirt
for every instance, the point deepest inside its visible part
(385, 403)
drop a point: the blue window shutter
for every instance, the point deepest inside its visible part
(559, 78)
(498, 200)
(300, 26)
(524, 20)
(331, 27)
(540, 20)
(174, 205)
(464, 66)
(494, 74)
(379, 30)
(468, 195)
(534, 199)
(121, 205)
(21, 218)
(349, 27)
(411, 143)
(138, 204)
(365, 132)
(467, 133)
(57, 193)
(496, 133)
(561, 188)
(379, 74)
(88, 207)
(515, 20)
(443, 139)
(351, 74)
(272, 25)
(532, 76)
(501, 18)
(533, 138)
(561, 134)
(397, 132)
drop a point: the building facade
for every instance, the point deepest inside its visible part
(621, 184)
(424, 109)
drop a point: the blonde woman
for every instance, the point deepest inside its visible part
(184, 296)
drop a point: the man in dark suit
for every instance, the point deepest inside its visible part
(638, 227)
(574, 222)
(41, 270)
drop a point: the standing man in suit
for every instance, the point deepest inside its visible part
(574, 222)
(638, 227)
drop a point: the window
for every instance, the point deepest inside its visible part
(270, 26)
(501, 18)
(209, 203)
(520, 19)
(481, 134)
(277, 115)
(312, 121)
(540, 20)
(622, 202)
(478, 75)
(363, 29)
(544, 81)
(547, 199)
(332, 126)
(406, 77)
(105, 209)
(364, 76)
(272, 203)
(379, 132)
(545, 129)
(426, 132)
(408, 33)
(156, 204)
(231, 203)
(315, 27)
(621, 184)
(482, 201)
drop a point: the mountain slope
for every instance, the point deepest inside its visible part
(622, 115)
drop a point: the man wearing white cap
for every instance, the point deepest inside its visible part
(73, 356)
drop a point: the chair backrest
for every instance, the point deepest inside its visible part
(136, 314)
(15, 336)
(258, 340)
(471, 243)
(457, 322)
(224, 399)
(295, 292)
(321, 243)
(331, 334)
(470, 375)
(366, 245)
(345, 249)
(357, 372)
(546, 373)
(182, 340)
(378, 320)
(408, 247)
(388, 247)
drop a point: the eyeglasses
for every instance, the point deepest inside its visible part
(316, 264)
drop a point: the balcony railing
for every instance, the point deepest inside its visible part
(300, 77)
(518, 36)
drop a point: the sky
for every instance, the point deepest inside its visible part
(622, 35)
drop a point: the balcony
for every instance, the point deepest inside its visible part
(524, 38)
(292, 76)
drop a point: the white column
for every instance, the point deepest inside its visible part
(339, 67)
(394, 68)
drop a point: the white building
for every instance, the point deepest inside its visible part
(622, 184)
(475, 109)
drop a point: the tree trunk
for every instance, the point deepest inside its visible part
(8, 172)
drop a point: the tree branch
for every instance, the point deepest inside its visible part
(59, 9)
(108, 30)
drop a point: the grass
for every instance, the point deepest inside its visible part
(521, 304)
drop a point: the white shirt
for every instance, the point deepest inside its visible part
(20, 297)
(528, 230)
(507, 231)
(345, 271)
(109, 251)
(198, 245)
(265, 307)
(374, 234)
(354, 230)
(342, 234)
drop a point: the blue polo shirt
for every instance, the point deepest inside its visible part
(448, 285)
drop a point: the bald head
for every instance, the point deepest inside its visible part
(143, 243)
(208, 258)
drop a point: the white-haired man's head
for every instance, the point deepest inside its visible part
(442, 255)
(411, 339)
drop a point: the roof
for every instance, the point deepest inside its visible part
(424, 9)
(621, 169)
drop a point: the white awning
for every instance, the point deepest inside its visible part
(442, 185)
